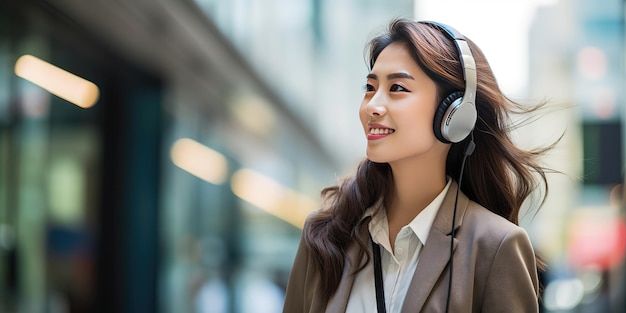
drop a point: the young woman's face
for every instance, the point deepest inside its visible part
(398, 108)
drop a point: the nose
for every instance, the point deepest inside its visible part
(376, 106)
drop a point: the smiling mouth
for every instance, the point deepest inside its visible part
(381, 131)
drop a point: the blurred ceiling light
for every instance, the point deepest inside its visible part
(272, 197)
(57, 81)
(200, 161)
(253, 113)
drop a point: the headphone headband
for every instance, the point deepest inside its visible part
(454, 133)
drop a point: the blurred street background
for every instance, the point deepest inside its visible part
(161, 155)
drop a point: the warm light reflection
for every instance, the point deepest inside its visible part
(200, 161)
(253, 113)
(57, 81)
(272, 197)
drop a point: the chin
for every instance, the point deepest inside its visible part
(376, 158)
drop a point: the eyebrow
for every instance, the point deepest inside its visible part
(391, 76)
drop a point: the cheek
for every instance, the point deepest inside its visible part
(420, 125)
(422, 129)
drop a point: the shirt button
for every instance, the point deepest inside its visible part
(400, 251)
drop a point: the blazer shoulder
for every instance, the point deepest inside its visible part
(483, 222)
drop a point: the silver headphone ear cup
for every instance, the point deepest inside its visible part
(442, 114)
(458, 121)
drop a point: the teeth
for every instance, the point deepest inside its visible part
(381, 131)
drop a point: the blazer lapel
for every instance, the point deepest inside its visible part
(435, 254)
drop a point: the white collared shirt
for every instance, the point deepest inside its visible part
(398, 266)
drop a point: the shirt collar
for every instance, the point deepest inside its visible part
(422, 223)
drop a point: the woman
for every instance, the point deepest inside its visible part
(398, 236)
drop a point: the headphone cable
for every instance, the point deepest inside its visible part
(468, 151)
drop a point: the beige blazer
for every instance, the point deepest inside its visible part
(494, 268)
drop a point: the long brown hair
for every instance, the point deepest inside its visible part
(499, 175)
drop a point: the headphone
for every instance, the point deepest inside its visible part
(456, 114)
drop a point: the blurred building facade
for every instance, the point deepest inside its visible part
(182, 189)
(216, 125)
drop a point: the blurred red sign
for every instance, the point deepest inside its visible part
(596, 240)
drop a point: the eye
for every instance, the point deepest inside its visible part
(398, 88)
(368, 88)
